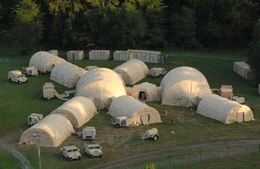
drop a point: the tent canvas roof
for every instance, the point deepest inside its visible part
(224, 110)
(101, 84)
(51, 131)
(132, 108)
(151, 91)
(67, 74)
(44, 61)
(78, 110)
(132, 71)
(183, 85)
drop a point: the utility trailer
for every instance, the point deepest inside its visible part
(34, 118)
(157, 72)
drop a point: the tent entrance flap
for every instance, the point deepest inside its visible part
(145, 119)
(142, 95)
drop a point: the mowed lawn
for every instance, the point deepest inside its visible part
(18, 101)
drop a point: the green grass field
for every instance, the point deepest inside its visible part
(18, 101)
(245, 161)
(8, 161)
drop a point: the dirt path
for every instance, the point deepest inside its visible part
(149, 154)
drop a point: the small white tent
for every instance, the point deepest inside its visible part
(120, 55)
(132, 71)
(146, 55)
(244, 70)
(101, 84)
(182, 86)
(146, 91)
(67, 74)
(75, 55)
(44, 61)
(99, 55)
(138, 112)
(51, 131)
(224, 110)
(78, 110)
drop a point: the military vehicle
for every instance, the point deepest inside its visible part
(70, 152)
(89, 133)
(93, 150)
(17, 76)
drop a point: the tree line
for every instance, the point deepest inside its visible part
(123, 24)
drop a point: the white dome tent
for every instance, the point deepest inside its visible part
(138, 112)
(132, 71)
(44, 61)
(224, 110)
(182, 86)
(78, 110)
(149, 91)
(67, 74)
(51, 131)
(101, 84)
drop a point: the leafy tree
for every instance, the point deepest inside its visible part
(241, 18)
(150, 166)
(62, 16)
(128, 27)
(130, 23)
(153, 12)
(254, 51)
(213, 34)
(27, 28)
(183, 28)
(116, 29)
(7, 15)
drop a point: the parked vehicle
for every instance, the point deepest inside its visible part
(17, 76)
(121, 121)
(157, 72)
(89, 133)
(93, 150)
(34, 118)
(151, 134)
(70, 152)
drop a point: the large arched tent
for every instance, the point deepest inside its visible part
(51, 131)
(44, 61)
(138, 112)
(78, 110)
(182, 86)
(67, 74)
(224, 110)
(132, 71)
(100, 84)
(146, 91)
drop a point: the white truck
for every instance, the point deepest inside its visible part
(17, 76)
(121, 121)
(151, 134)
(157, 72)
(30, 71)
(93, 150)
(89, 133)
(34, 118)
(70, 152)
